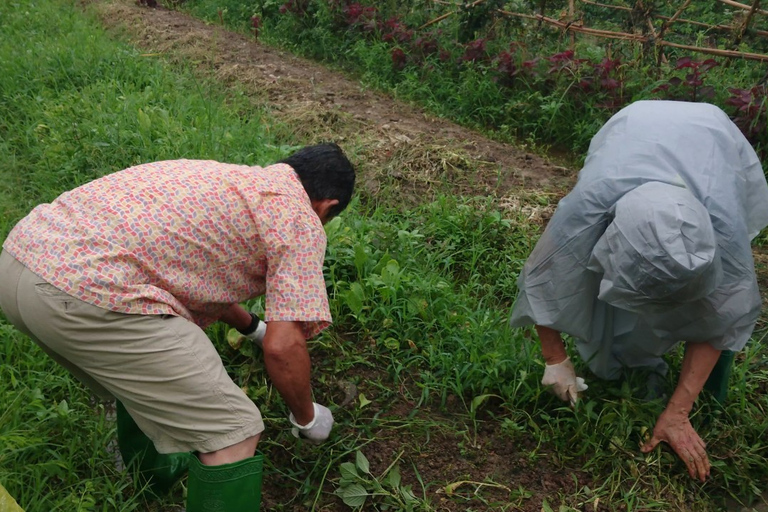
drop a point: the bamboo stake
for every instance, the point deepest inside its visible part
(617, 7)
(723, 28)
(577, 28)
(442, 17)
(721, 53)
(662, 58)
(635, 37)
(572, 19)
(745, 25)
(436, 20)
(665, 26)
(741, 6)
(674, 17)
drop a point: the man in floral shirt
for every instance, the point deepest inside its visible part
(116, 279)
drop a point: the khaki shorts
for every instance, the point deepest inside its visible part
(164, 369)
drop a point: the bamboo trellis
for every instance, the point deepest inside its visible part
(571, 26)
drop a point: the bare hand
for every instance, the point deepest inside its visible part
(675, 429)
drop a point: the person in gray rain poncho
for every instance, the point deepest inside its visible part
(651, 248)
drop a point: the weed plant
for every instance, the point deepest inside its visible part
(420, 300)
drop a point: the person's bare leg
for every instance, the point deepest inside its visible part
(235, 453)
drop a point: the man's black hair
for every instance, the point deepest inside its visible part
(325, 173)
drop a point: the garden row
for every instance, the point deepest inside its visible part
(514, 77)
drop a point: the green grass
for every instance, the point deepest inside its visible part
(420, 299)
(75, 106)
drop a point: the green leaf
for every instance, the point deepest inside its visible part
(145, 123)
(234, 338)
(361, 256)
(390, 274)
(478, 401)
(408, 496)
(363, 402)
(393, 477)
(392, 343)
(362, 463)
(348, 474)
(354, 495)
(354, 298)
(63, 408)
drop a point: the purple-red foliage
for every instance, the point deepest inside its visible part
(564, 61)
(692, 85)
(751, 110)
(510, 68)
(399, 59)
(360, 16)
(426, 45)
(256, 25)
(474, 51)
(297, 7)
(393, 31)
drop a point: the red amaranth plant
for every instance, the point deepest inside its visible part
(296, 7)
(394, 31)
(474, 51)
(426, 45)
(399, 59)
(256, 25)
(361, 17)
(691, 87)
(564, 61)
(751, 110)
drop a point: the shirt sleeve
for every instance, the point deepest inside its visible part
(295, 247)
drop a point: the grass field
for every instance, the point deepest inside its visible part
(438, 403)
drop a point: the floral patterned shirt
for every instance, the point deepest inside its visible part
(183, 237)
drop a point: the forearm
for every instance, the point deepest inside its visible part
(236, 316)
(552, 347)
(287, 362)
(698, 362)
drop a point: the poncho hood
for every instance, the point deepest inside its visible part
(660, 250)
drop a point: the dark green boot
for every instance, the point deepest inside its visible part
(717, 383)
(232, 487)
(156, 470)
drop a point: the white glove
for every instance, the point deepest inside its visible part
(561, 380)
(317, 430)
(256, 333)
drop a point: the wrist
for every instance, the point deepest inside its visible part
(553, 359)
(251, 328)
(677, 408)
(306, 425)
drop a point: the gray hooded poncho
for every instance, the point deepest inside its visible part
(652, 246)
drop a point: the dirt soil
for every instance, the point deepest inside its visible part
(395, 145)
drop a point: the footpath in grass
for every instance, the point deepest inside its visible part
(437, 401)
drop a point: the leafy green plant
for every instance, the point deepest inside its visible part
(358, 485)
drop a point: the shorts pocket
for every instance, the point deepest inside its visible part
(50, 293)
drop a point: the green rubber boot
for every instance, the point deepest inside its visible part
(232, 487)
(158, 471)
(717, 383)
